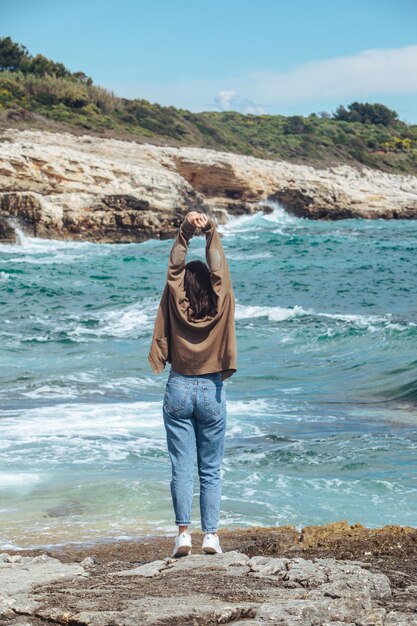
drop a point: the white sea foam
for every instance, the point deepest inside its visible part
(333, 484)
(279, 215)
(273, 313)
(102, 419)
(360, 320)
(242, 256)
(24, 480)
(260, 220)
(126, 323)
(372, 323)
(49, 260)
(260, 406)
(38, 251)
(51, 391)
(85, 383)
(81, 419)
(237, 427)
(130, 383)
(132, 321)
(39, 245)
(237, 225)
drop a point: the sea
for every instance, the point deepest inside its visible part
(321, 413)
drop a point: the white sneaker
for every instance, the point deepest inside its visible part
(211, 544)
(182, 544)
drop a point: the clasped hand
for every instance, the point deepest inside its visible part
(199, 220)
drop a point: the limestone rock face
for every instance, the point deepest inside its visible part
(59, 186)
(7, 232)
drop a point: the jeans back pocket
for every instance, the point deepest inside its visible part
(214, 397)
(175, 397)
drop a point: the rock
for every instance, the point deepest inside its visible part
(238, 182)
(221, 562)
(213, 562)
(325, 591)
(72, 507)
(395, 618)
(88, 561)
(185, 609)
(373, 616)
(43, 558)
(216, 179)
(58, 186)
(17, 558)
(120, 202)
(7, 232)
(6, 614)
(339, 624)
(199, 589)
(21, 574)
(378, 538)
(286, 584)
(149, 570)
(267, 566)
(302, 612)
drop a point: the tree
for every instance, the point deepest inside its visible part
(42, 66)
(366, 113)
(11, 54)
(15, 57)
(82, 78)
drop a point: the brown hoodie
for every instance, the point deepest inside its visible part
(195, 346)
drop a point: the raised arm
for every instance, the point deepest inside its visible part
(176, 263)
(159, 352)
(216, 259)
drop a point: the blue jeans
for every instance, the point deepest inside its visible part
(194, 410)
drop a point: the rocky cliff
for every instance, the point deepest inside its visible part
(59, 186)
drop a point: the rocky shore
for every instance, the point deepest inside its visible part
(332, 575)
(58, 186)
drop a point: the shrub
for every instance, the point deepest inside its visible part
(104, 100)
(5, 96)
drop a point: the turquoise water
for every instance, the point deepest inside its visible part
(322, 421)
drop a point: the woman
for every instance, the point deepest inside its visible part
(195, 332)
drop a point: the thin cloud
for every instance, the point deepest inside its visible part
(231, 101)
(369, 73)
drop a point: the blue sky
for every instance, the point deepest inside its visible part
(292, 57)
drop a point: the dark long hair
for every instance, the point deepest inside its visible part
(198, 289)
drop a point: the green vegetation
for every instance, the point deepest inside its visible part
(38, 92)
(366, 113)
